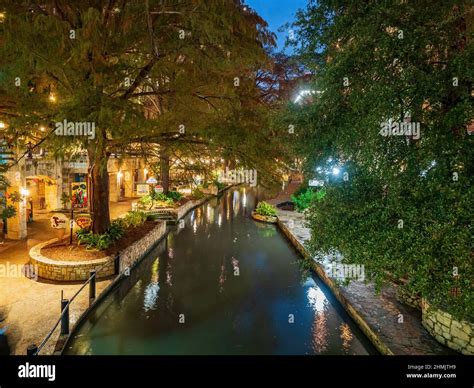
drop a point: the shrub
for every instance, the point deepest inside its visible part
(134, 219)
(145, 202)
(265, 209)
(65, 199)
(304, 199)
(116, 230)
(94, 241)
(175, 195)
(114, 233)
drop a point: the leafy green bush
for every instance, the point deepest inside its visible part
(304, 199)
(175, 195)
(265, 209)
(134, 219)
(114, 233)
(148, 201)
(145, 202)
(116, 230)
(94, 241)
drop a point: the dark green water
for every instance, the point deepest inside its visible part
(223, 284)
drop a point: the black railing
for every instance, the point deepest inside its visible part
(34, 350)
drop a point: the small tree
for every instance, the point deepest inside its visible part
(7, 209)
(65, 200)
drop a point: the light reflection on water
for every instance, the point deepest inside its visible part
(235, 281)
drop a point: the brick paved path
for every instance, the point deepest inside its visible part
(376, 314)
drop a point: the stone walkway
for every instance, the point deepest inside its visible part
(286, 193)
(377, 315)
(28, 308)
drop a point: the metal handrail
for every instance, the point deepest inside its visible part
(66, 308)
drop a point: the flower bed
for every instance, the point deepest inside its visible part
(63, 271)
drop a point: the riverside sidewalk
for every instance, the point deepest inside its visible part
(28, 308)
(377, 315)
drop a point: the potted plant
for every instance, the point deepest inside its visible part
(7, 210)
(65, 200)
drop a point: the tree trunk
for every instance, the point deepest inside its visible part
(99, 201)
(165, 169)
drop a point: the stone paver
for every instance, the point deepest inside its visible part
(377, 314)
(286, 193)
(29, 308)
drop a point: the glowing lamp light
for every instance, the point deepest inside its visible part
(336, 171)
(120, 175)
(302, 94)
(24, 192)
(2, 124)
(52, 98)
(42, 129)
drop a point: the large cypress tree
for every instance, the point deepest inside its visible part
(138, 70)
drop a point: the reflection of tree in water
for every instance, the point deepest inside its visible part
(346, 336)
(265, 230)
(222, 276)
(318, 301)
(320, 332)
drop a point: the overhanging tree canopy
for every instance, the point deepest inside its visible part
(405, 207)
(138, 70)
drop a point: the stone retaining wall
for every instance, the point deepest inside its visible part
(457, 335)
(183, 210)
(66, 271)
(135, 252)
(405, 297)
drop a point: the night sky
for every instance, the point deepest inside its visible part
(277, 13)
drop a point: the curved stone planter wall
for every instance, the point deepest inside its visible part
(135, 252)
(66, 271)
(267, 219)
(457, 335)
